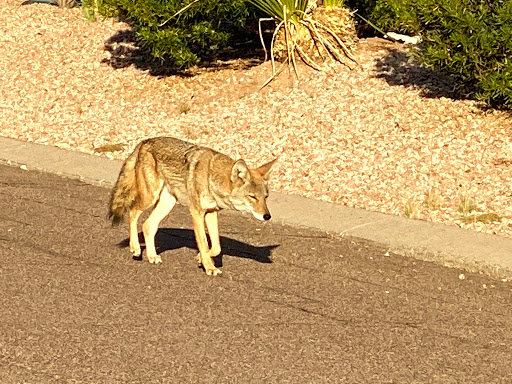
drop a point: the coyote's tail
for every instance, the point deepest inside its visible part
(124, 194)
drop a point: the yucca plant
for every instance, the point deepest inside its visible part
(284, 9)
(333, 3)
(294, 18)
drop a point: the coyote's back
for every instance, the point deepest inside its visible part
(143, 172)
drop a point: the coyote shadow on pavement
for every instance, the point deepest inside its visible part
(167, 239)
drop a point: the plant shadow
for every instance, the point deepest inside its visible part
(167, 239)
(125, 51)
(398, 68)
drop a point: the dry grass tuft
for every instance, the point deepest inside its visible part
(466, 204)
(411, 208)
(433, 201)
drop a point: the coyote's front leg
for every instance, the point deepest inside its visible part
(213, 230)
(205, 255)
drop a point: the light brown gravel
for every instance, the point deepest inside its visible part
(350, 137)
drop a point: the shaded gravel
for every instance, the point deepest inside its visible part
(380, 137)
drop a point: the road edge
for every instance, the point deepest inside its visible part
(447, 245)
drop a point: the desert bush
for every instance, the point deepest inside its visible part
(469, 39)
(182, 31)
(389, 15)
(472, 41)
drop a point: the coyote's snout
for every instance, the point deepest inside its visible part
(164, 170)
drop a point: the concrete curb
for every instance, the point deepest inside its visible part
(448, 245)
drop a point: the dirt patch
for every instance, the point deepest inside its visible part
(385, 136)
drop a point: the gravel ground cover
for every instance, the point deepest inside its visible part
(387, 136)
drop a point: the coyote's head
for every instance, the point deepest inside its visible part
(250, 190)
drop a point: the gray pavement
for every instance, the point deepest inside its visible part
(294, 305)
(447, 245)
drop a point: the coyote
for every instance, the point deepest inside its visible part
(164, 170)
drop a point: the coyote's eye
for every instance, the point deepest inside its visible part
(252, 197)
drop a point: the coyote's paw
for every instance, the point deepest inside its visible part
(135, 250)
(136, 253)
(154, 259)
(208, 266)
(213, 271)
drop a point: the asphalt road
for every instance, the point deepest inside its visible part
(292, 306)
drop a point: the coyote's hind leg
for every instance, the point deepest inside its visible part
(165, 204)
(134, 233)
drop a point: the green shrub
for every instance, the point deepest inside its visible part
(182, 31)
(468, 39)
(472, 41)
(91, 8)
(390, 15)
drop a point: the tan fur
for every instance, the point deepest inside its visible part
(164, 170)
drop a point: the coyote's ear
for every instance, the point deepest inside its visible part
(240, 171)
(265, 169)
